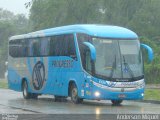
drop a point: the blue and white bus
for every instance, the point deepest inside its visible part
(96, 62)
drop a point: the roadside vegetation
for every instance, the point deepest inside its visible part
(152, 94)
(3, 84)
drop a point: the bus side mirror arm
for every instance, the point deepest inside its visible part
(150, 51)
(92, 50)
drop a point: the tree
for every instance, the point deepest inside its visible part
(146, 20)
(64, 12)
(141, 16)
(10, 24)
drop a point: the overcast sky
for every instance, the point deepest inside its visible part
(15, 6)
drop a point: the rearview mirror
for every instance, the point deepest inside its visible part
(150, 51)
(92, 50)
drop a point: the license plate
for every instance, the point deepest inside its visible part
(121, 95)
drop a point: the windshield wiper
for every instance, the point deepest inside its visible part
(114, 64)
(128, 67)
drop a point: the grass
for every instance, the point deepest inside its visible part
(3, 84)
(152, 94)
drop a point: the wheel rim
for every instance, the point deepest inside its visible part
(25, 90)
(74, 94)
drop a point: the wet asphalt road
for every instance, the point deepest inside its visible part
(45, 104)
(12, 102)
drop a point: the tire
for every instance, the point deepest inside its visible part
(80, 100)
(74, 94)
(34, 96)
(116, 102)
(26, 94)
(60, 98)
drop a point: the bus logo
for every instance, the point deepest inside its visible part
(125, 69)
(38, 75)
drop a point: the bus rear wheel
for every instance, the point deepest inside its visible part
(74, 95)
(116, 102)
(26, 94)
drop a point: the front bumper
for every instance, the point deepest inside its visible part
(102, 92)
(109, 95)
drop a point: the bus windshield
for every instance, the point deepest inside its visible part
(119, 59)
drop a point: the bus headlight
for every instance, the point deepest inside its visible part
(97, 94)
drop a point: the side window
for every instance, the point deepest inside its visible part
(34, 48)
(17, 48)
(60, 48)
(52, 50)
(70, 46)
(57, 45)
(30, 47)
(13, 48)
(62, 45)
(23, 48)
(88, 62)
(83, 50)
(44, 46)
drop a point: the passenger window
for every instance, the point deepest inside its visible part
(71, 46)
(24, 48)
(17, 48)
(44, 49)
(59, 45)
(13, 48)
(34, 48)
(63, 45)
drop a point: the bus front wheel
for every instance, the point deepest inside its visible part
(74, 95)
(26, 94)
(116, 102)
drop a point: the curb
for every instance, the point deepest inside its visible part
(149, 101)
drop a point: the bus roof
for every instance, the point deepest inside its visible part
(106, 31)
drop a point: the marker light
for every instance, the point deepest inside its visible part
(97, 94)
(142, 94)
